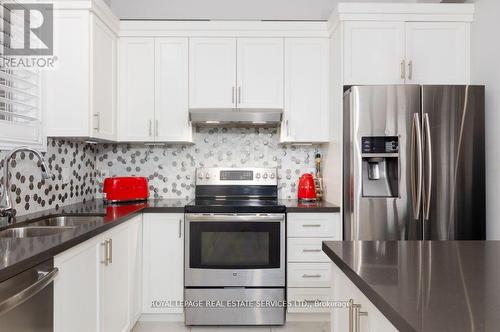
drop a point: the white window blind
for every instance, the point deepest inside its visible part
(20, 93)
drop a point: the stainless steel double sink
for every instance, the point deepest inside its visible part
(50, 226)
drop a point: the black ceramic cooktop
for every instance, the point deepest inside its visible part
(206, 205)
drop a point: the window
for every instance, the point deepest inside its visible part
(20, 93)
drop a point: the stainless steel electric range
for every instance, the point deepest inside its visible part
(235, 249)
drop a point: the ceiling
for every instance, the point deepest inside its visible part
(231, 9)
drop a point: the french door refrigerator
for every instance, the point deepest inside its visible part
(414, 163)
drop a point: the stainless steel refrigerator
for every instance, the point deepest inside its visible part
(414, 163)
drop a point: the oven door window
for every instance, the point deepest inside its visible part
(234, 245)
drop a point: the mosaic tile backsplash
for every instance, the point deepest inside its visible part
(72, 165)
(79, 168)
(171, 169)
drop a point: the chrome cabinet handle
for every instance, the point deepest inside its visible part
(150, 127)
(427, 192)
(416, 149)
(180, 228)
(232, 95)
(239, 95)
(28, 292)
(311, 250)
(403, 69)
(355, 314)
(105, 245)
(410, 70)
(97, 126)
(311, 225)
(287, 129)
(110, 246)
(311, 276)
(156, 128)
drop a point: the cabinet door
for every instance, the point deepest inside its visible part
(163, 267)
(172, 90)
(115, 282)
(374, 52)
(103, 92)
(438, 51)
(136, 89)
(135, 269)
(260, 73)
(66, 86)
(212, 73)
(76, 288)
(306, 90)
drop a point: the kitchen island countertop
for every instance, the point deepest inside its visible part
(426, 285)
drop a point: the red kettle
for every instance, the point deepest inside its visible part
(307, 188)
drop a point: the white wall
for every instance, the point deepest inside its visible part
(486, 70)
(230, 9)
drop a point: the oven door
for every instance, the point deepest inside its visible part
(235, 250)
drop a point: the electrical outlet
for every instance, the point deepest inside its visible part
(66, 175)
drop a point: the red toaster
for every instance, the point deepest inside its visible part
(125, 189)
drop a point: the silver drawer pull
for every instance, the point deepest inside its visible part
(311, 225)
(311, 276)
(311, 250)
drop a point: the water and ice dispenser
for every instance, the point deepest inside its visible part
(380, 160)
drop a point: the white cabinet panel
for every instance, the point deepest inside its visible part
(260, 73)
(103, 80)
(437, 52)
(212, 73)
(314, 225)
(307, 250)
(306, 114)
(135, 270)
(373, 52)
(136, 89)
(115, 282)
(312, 275)
(171, 90)
(163, 262)
(76, 288)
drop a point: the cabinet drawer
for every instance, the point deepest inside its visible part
(309, 275)
(309, 300)
(307, 250)
(314, 225)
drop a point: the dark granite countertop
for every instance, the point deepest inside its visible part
(426, 285)
(18, 255)
(294, 206)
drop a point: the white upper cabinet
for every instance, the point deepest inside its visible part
(103, 80)
(260, 73)
(136, 89)
(79, 95)
(306, 90)
(171, 90)
(374, 52)
(437, 52)
(212, 73)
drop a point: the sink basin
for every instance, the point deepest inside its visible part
(64, 221)
(29, 232)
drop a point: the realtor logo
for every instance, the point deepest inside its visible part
(28, 29)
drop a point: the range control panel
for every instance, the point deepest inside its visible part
(379, 144)
(237, 176)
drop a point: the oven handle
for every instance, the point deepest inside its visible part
(232, 217)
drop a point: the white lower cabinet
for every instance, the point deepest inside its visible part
(309, 275)
(344, 291)
(163, 263)
(92, 290)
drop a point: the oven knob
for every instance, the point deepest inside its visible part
(264, 176)
(257, 176)
(200, 176)
(207, 176)
(272, 176)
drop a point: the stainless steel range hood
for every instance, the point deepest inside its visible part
(247, 117)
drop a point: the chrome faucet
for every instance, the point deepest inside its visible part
(6, 208)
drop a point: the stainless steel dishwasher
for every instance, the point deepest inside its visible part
(27, 300)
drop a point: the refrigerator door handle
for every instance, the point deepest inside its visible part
(416, 149)
(427, 192)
